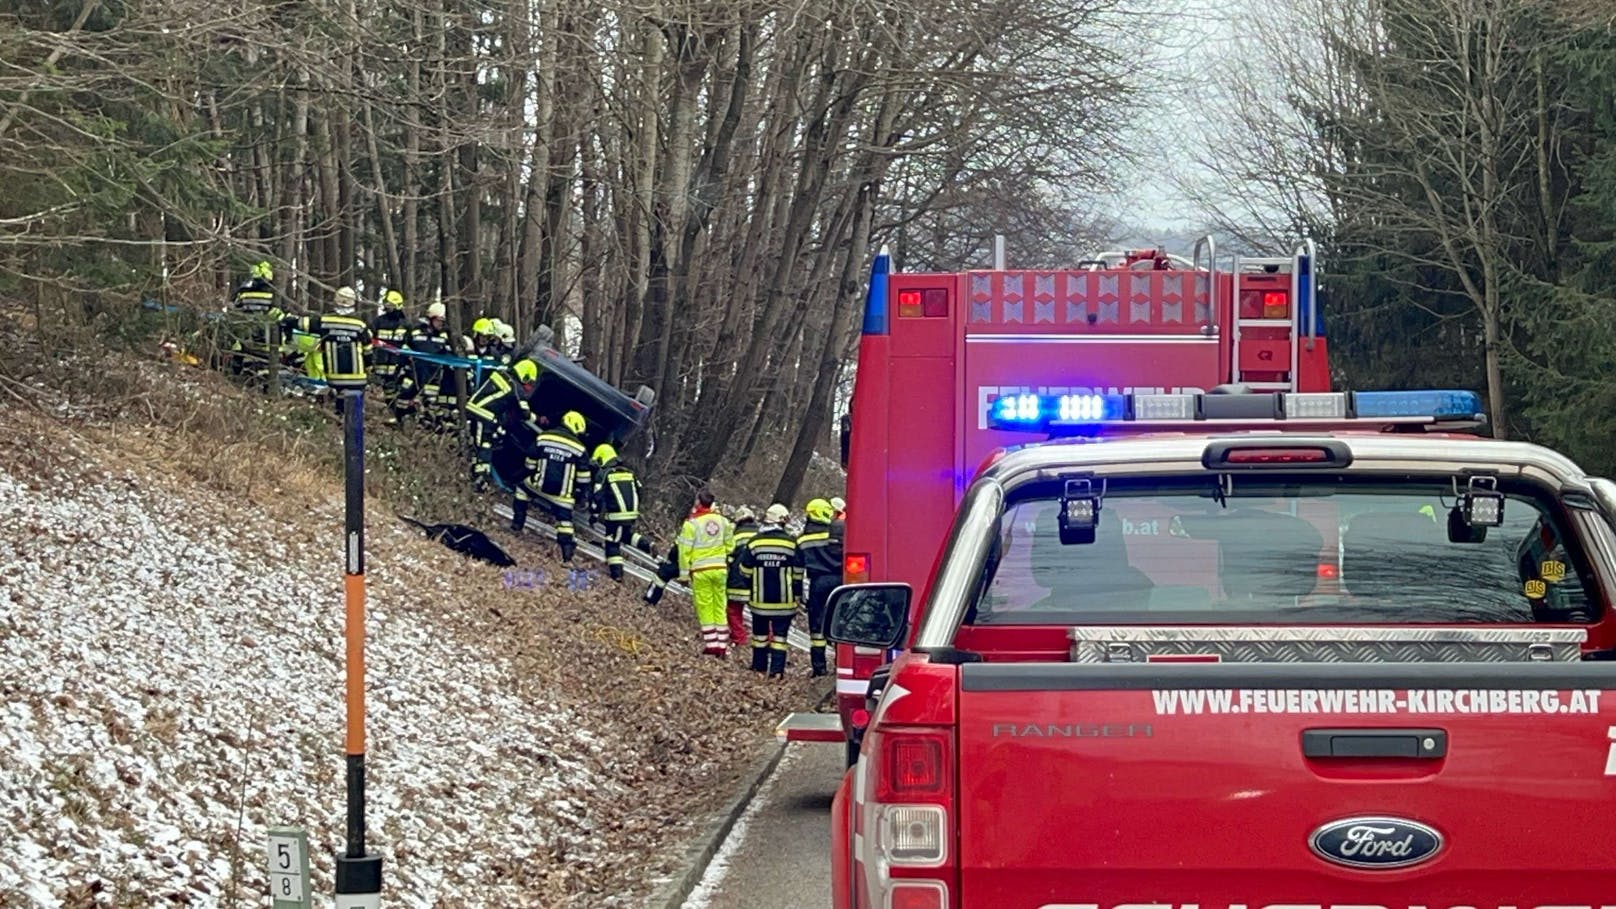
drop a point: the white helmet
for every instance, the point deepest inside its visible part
(505, 333)
(345, 299)
(744, 514)
(437, 311)
(777, 514)
(838, 503)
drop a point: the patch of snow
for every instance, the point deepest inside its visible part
(171, 685)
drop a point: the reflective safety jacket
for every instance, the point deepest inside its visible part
(821, 547)
(343, 340)
(496, 351)
(616, 492)
(772, 566)
(739, 587)
(423, 337)
(553, 464)
(705, 542)
(497, 404)
(255, 296)
(390, 328)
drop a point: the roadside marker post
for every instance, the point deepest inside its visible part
(289, 868)
(359, 876)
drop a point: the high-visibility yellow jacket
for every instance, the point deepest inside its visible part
(705, 543)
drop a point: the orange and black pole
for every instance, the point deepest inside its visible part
(359, 876)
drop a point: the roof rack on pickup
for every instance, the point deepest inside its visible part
(1235, 407)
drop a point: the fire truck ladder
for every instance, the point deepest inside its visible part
(1302, 305)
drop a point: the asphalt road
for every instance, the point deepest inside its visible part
(778, 855)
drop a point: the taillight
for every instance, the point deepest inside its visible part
(907, 820)
(928, 303)
(918, 895)
(1278, 456)
(914, 767)
(855, 568)
(908, 824)
(1275, 304)
(860, 717)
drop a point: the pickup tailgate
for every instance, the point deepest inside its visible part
(1171, 784)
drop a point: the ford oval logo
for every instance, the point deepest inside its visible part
(1375, 842)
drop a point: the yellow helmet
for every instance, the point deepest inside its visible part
(394, 300)
(574, 421)
(262, 270)
(482, 327)
(820, 510)
(603, 453)
(526, 371)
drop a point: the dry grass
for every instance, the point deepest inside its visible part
(688, 725)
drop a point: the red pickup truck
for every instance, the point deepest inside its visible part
(1245, 650)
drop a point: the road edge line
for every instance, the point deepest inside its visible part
(698, 857)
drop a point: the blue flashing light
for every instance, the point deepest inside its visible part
(1019, 409)
(1081, 412)
(1441, 404)
(1091, 408)
(875, 300)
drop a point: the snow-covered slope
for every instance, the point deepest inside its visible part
(172, 685)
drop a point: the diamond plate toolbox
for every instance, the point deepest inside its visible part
(1130, 644)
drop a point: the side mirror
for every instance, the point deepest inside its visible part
(869, 615)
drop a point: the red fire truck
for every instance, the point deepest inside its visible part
(940, 350)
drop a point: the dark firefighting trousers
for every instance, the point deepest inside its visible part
(667, 571)
(819, 589)
(770, 629)
(618, 533)
(558, 509)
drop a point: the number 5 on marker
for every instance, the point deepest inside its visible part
(288, 869)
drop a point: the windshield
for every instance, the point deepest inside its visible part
(1318, 551)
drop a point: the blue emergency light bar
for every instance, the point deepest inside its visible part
(1046, 412)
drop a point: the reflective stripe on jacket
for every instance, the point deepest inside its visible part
(772, 566)
(705, 543)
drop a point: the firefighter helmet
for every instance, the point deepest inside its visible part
(838, 504)
(482, 327)
(437, 311)
(744, 514)
(820, 510)
(345, 300)
(574, 421)
(604, 453)
(394, 300)
(526, 371)
(505, 333)
(776, 514)
(262, 270)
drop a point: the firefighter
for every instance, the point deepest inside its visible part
(422, 379)
(771, 563)
(821, 547)
(496, 411)
(839, 506)
(342, 337)
(553, 468)
(705, 543)
(503, 345)
(390, 328)
(615, 497)
(254, 301)
(484, 334)
(739, 588)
